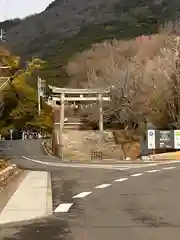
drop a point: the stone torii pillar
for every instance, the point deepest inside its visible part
(61, 122)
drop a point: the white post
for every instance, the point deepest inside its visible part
(61, 115)
(100, 113)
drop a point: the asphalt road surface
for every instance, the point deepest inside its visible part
(130, 203)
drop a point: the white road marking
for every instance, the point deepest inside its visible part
(119, 167)
(121, 180)
(169, 162)
(151, 171)
(166, 168)
(103, 186)
(136, 174)
(63, 207)
(152, 164)
(82, 195)
(77, 165)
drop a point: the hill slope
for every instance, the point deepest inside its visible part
(66, 27)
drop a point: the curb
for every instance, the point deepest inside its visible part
(144, 159)
(49, 206)
(119, 162)
(7, 172)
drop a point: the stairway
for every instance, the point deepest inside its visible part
(79, 144)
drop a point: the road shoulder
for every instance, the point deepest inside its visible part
(9, 186)
(30, 200)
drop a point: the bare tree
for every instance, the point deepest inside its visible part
(172, 56)
(142, 76)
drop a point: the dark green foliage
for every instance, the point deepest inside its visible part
(8, 24)
(133, 18)
(130, 19)
(54, 4)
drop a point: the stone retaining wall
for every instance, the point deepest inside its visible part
(80, 144)
(7, 172)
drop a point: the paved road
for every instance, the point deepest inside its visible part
(118, 204)
(29, 154)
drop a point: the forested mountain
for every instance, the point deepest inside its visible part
(70, 26)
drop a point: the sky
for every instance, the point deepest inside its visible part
(21, 8)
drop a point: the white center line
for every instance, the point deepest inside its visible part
(103, 186)
(120, 179)
(82, 195)
(151, 171)
(166, 168)
(136, 174)
(63, 207)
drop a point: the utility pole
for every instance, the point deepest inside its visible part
(61, 124)
(39, 95)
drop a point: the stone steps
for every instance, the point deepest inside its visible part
(79, 144)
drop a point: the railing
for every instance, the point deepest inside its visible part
(5, 80)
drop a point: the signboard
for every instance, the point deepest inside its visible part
(177, 139)
(42, 87)
(165, 139)
(151, 139)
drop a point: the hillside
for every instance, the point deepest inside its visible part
(67, 27)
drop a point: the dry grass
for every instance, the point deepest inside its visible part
(3, 164)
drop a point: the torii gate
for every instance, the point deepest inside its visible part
(80, 95)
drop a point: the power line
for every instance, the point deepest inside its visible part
(6, 5)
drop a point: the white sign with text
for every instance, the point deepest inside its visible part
(151, 139)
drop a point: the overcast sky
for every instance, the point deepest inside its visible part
(21, 8)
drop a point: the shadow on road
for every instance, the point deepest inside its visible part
(51, 228)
